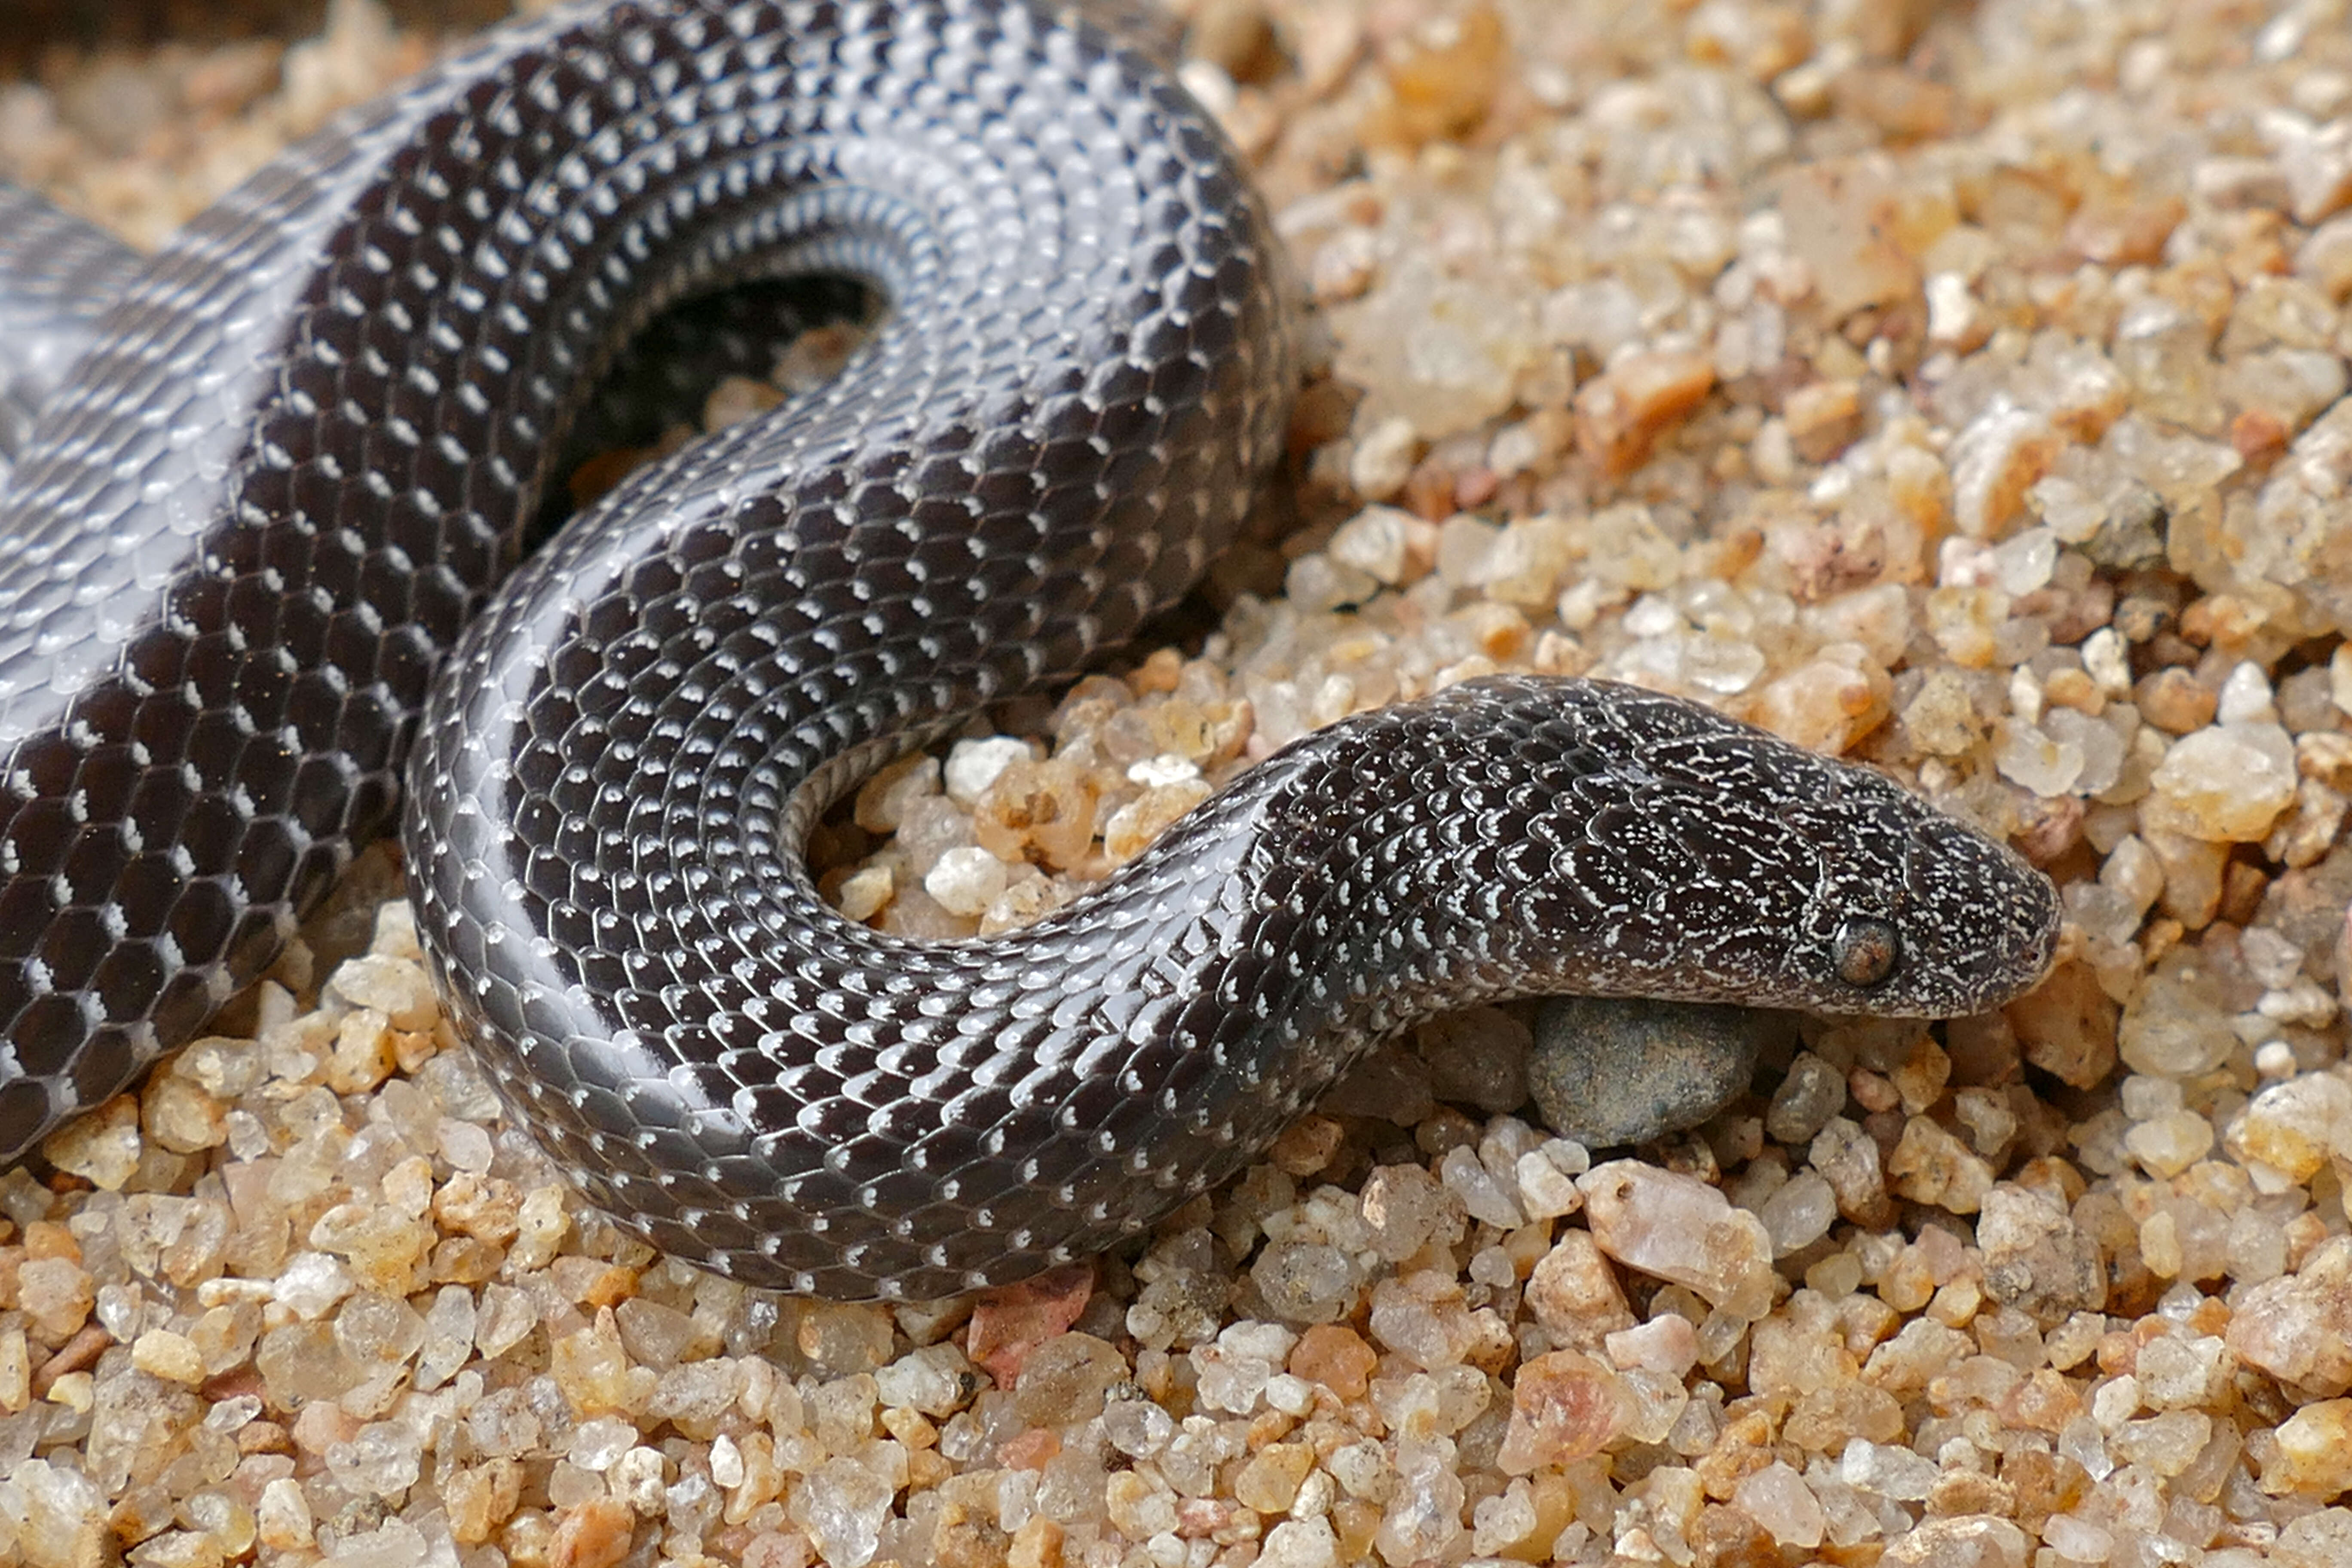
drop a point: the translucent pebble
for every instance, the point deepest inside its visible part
(2245, 696)
(1137, 1428)
(1993, 460)
(1065, 1380)
(2078, 1540)
(2023, 561)
(1811, 1093)
(841, 1412)
(1486, 1198)
(637, 1479)
(598, 1443)
(1300, 1543)
(2170, 1143)
(1291, 1395)
(503, 1424)
(865, 892)
(398, 988)
(1649, 1404)
(934, 828)
(1666, 1344)
(1305, 1281)
(1565, 1406)
(1233, 1371)
(466, 1145)
(2294, 1127)
(691, 1504)
(2165, 1443)
(2036, 760)
(842, 1507)
(933, 1379)
(2270, 957)
(233, 1414)
(172, 1357)
(1270, 1481)
(1132, 827)
(1376, 541)
(1778, 1498)
(1464, 542)
(1383, 459)
(1798, 1214)
(1317, 583)
(178, 1115)
(505, 1316)
(1547, 1179)
(2226, 783)
(2171, 1029)
(1680, 1229)
(884, 800)
(1503, 1521)
(569, 1486)
(1413, 1327)
(311, 1283)
(1049, 807)
(378, 1331)
(1405, 1205)
(393, 1544)
(448, 1339)
(2096, 741)
(103, 1147)
(693, 1397)
(1721, 665)
(2107, 659)
(1432, 1404)
(966, 880)
(1891, 1471)
(1423, 1520)
(1139, 1506)
(382, 1459)
(1525, 563)
(1362, 1470)
(1167, 768)
(661, 1336)
(2313, 1452)
(973, 765)
(282, 1516)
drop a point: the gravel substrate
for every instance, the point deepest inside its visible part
(1965, 393)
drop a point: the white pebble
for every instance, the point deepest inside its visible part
(2107, 657)
(1547, 1187)
(1383, 459)
(2246, 697)
(1167, 768)
(972, 767)
(966, 880)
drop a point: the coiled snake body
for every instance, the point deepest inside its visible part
(256, 549)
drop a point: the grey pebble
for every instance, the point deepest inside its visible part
(1608, 1072)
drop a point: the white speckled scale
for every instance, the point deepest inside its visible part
(287, 485)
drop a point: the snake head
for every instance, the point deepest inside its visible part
(1607, 840)
(1915, 914)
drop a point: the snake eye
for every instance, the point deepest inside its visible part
(1866, 950)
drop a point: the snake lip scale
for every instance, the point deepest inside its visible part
(259, 554)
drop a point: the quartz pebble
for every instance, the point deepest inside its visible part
(1681, 1230)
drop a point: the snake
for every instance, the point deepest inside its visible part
(265, 596)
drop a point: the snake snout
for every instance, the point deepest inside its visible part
(1981, 924)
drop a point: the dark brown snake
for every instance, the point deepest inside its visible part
(285, 488)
